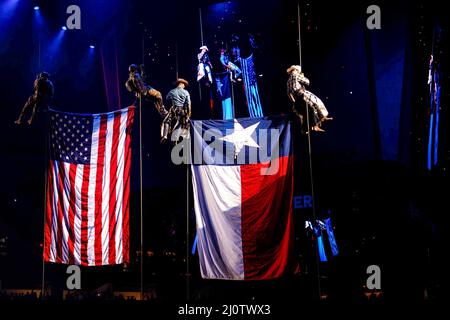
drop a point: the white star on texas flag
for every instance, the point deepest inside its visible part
(241, 137)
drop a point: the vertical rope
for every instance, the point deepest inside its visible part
(202, 42)
(311, 175)
(299, 34)
(201, 25)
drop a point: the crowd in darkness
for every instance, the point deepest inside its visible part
(22, 296)
(75, 295)
(373, 297)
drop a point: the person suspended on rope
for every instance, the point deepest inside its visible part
(235, 51)
(296, 89)
(39, 101)
(136, 84)
(180, 101)
(204, 66)
(229, 66)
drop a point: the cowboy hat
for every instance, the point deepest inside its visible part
(294, 67)
(181, 80)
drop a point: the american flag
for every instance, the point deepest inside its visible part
(435, 106)
(88, 188)
(251, 87)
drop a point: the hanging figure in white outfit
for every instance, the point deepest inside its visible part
(204, 66)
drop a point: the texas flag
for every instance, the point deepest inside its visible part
(242, 175)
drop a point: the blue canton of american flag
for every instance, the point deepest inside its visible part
(71, 137)
(88, 188)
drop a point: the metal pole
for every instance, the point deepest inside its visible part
(187, 193)
(141, 200)
(187, 229)
(311, 176)
(141, 197)
(46, 159)
(140, 181)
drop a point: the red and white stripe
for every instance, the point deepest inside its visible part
(87, 220)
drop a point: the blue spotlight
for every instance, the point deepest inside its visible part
(7, 10)
(64, 28)
(38, 19)
(92, 46)
(54, 46)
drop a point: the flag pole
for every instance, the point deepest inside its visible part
(46, 159)
(187, 188)
(140, 201)
(187, 227)
(140, 184)
(311, 176)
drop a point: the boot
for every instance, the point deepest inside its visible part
(318, 129)
(165, 128)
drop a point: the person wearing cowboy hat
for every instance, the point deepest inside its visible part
(43, 92)
(296, 89)
(180, 111)
(136, 84)
(204, 65)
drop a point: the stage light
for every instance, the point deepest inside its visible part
(7, 12)
(64, 28)
(54, 48)
(92, 46)
(38, 21)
